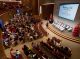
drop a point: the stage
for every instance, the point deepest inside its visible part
(65, 34)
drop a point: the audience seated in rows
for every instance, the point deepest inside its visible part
(50, 50)
(21, 29)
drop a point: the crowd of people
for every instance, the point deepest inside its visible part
(19, 29)
(51, 49)
(23, 28)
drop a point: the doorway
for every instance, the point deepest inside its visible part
(47, 10)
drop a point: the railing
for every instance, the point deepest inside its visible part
(10, 1)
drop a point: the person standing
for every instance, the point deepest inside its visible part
(51, 19)
(47, 24)
(76, 30)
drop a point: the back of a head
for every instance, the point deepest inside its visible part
(25, 46)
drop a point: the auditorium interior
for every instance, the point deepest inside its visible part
(39, 29)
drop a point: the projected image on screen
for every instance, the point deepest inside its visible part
(68, 11)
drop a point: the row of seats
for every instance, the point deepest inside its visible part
(56, 51)
(65, 50)
(61, 26)
(51, 49)
(39, 52)
(38, 27)
(43, 31)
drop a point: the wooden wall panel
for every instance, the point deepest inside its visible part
(4, 17)
(25, 2)
(47, 10)
(35, 7)
(32, 4)
(2, 52)
(46, 1)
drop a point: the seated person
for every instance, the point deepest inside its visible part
(18, 55)
(15, 54)
(25, 50)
